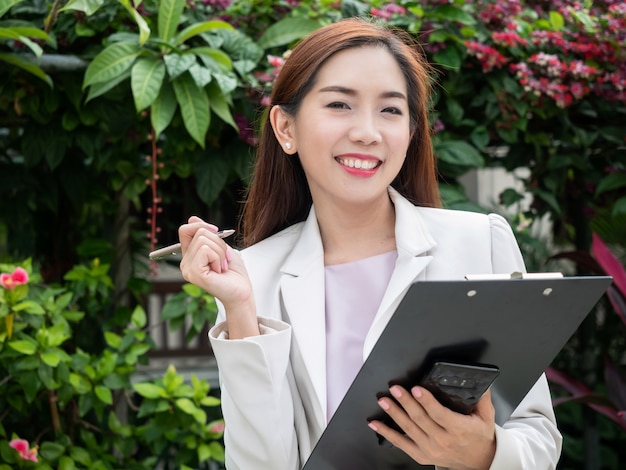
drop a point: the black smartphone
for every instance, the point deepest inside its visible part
(459, 386)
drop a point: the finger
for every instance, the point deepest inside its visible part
(439, 415)
(396, 439)
(206, 252)
(186, 232)
(211, 249)
(484, 407)
(406, 413)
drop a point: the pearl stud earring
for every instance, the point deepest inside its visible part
(288, 145)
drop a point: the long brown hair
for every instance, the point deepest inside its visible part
(278, 195)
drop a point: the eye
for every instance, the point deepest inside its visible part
(393, 110)
(337, 105)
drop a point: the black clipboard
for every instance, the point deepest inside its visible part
(520, 325)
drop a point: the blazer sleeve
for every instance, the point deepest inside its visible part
(530, 438)
(256, 399)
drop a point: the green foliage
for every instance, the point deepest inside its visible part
(166, 57)
(519, 84)
(84, 409)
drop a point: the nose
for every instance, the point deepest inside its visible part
(365, 130)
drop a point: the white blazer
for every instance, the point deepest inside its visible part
(273, 386)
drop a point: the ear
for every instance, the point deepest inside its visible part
(282, 125)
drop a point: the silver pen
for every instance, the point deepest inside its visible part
(173, 249)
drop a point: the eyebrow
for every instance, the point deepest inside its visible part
(351, 92)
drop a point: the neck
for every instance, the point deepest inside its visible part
(350, 234)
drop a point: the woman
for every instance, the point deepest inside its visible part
(340, 219)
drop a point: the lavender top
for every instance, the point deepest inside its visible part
(354, 292)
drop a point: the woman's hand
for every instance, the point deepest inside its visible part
(211, 264)
(436, 435)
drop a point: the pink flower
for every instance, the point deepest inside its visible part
(23, 448)
(217, 427)
(11, 281)
(275, 61)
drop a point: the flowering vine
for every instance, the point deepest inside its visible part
(24, 450)
(15, 290)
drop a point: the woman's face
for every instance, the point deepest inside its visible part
(352, 132)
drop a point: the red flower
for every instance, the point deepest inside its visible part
(23, 448)
(11, 281)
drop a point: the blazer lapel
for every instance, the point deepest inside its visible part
(302, 291)
(413, 241)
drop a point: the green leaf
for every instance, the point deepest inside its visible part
(177, 64)
(81, 456)
(549, 198)
(32, 32)
(101, 88)
(220, 107)
(50, 358)
(57, 334)
(619, 208)
(458, 152)
(204, 452)
(199, 28)
(66, 463)
(138, 318)
(455, 111)
(201, 75)
(556, 21)
(29, 306)
(212, 174)
(144, 29)
(27, 347)
(112, 62)
(448, 57)
(104, 394)
(170, 12)
(186, 405)
(64, 300)
(193, 290)
(148, 390)
(112, 339)
(171, 379)
(5, 5)
(217, 451)
(194, 107)
(286, 31)
(26, 65)
(584, 18)
(163, 109)
(51, 451)
(480, 137)
(611, 182)
(214, 59)
(453, 14)
(175, 306)
(146, 78)
(89, 7)
(80, 383)
(210, 401)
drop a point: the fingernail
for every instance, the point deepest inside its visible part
(372, 426)
(229, 254)
(383, 404)
(417, 393)
(225, 265)
(395, 391)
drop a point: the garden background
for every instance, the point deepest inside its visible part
(120, 118)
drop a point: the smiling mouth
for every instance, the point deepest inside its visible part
(358, 163)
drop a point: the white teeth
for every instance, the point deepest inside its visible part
(359, 164)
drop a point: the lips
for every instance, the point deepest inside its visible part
(359, 163)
